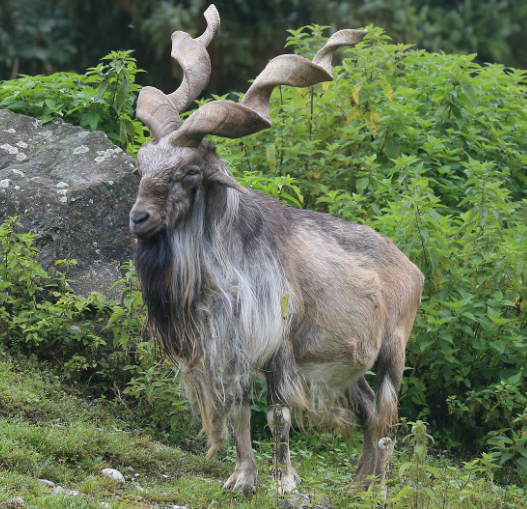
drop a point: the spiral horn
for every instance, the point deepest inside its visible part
(234, 120)
(160, 112)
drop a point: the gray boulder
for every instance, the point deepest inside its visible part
(73, 188)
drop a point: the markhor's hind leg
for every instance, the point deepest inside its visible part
(377, 416)
(362, 399)
(245, 473)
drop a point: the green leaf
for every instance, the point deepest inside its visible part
(514, 379)
(499, 345)
(469, 92)
(121, 95)
(392, 147)
(362, 184)
(93, 119)
(270, 154)
(521, 463)
(402, 493)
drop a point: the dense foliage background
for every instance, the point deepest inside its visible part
(46, 36)
(429, 149)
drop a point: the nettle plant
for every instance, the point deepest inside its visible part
(103, 98)
(430, 150)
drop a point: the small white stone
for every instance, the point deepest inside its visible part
(51, 484)
(110, 182)
(63, 199)
(164, 476)
(62, 191)
(17, 502)
(10, 131)
(99, 159)
(17, 188)
(21, 157)
(18, 172)
(37, 123)
(22, 144)
(4, 184)
(62, 184)
(72, 493)
(81, 150)
(113, 474)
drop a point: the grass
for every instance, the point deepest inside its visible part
(48, 432)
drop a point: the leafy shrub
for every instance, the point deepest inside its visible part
(88, 340)
(102, 99)
(430, 150)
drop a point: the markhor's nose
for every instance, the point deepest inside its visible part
(139, 216)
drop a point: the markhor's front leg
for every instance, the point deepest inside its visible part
(245, 473)
(279, 420)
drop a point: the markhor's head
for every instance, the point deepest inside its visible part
(171, 179)
(177, 166)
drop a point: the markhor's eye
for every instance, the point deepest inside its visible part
(193, 171)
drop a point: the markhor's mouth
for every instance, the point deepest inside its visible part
(149, 233)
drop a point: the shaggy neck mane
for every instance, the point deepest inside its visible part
(213, 288)
(178, 270)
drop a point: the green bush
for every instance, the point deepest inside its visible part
(430, 150)
(88, 341)
(102, 99)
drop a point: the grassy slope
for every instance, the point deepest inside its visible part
(47, 433)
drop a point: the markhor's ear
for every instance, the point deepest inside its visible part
(217, 175)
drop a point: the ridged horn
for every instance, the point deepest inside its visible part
(235, 120)
(160, 112)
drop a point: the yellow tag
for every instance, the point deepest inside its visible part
(284, 304)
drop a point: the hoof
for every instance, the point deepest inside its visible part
(287, 482)
(244, 482)
(309, 501)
